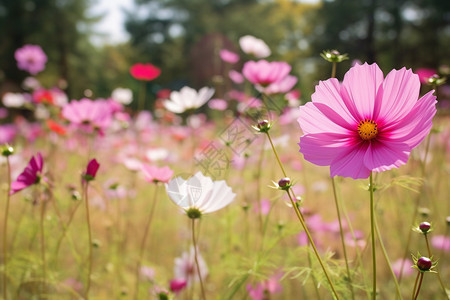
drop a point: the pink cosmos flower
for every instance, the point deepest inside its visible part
(7, 133)
(177, 285)
(236, 77)
(145, 72)
(280, 87)
(252, 45)
(229, 56)
(268, 287)
(185, 267)
(31, 58)
(424, 74)
(367, 123)
(407, 270)
(88, 115)
(263, 73)
(218, 104)
(441, 242)
(155, 174)
(30, 175)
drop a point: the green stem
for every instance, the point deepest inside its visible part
(144, 240)
(333, 70)
(420, 284)
(276, 154)
(394, 278)
(142, 93)
(5, 232)
(86, 200)
(302, 222)
(258, 188)
(341, 231)
(372, 231)
(44, 261)
(196, 260)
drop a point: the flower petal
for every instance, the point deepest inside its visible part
(350, 163)
(385, 156)
(314, 120)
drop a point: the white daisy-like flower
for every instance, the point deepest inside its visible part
(14, 99)
(252, 45)
(199, 194)
(187, 98)
(122, 95)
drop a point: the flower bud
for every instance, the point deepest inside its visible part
(193, 213)
(424, 212)
(436, 80)
(284, 183)
(263, 126)
(7, 150)
(424, 263)
(333, 56)
(424, 227)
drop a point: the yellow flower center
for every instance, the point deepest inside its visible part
(367, 129)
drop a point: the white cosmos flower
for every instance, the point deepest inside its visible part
(252, 45)
(199, 193)
(187, 98)
(122, 95)
(14, 100)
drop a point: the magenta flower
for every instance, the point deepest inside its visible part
(177, 285)
(424, 74)
(155, 174)
(31, 58)
(367, 123)
(229, 56)
(30, 175)
(88, 115)
(263, 73)
(91, 170)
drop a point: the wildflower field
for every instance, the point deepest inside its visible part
(244, 188)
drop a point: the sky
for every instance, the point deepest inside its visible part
(112, 24)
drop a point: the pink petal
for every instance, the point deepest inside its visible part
(350, 163)
(359, 89)
(399, 95)
(313, 120)
(385, 156)
(323, 148)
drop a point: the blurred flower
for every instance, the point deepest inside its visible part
(264, 289)
(263, 73)
(122, 95)
(155, 174)
(145, 72)
(265, 207)
(185, 267)
(367, 123)
(236, 77)
(91, 170)
(397, 267)
(218, 104)
(424, 74)
(293, 98)
(88, 115)
(177, 285)
(55, 127)
(31, 58)
(30, 175)
(280, 87)
(156, 154)
(31, 83)
(199, 194)
(14, 99)
(3, 112)
(441, 242)
(359, 240)
(163, 94)
(43, 96)
(148, 273)
(229, 56)
(187, 99)
(74, 284)
(252, 45)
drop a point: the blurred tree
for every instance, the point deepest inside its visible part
(61, 28)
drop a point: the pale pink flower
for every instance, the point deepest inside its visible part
(268, 287)
(280, 87)
(187, 99)
(263, 73)
(218, 104)
(367, 123)
(407, 270)
(88, 115)
(441, 242)
(185, 267)
(252, 45)
(31, 58)
(229, 56)
(236, 77)
(154, 174)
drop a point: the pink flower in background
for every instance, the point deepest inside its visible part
(177, 285)
(424, 74)
(186, 269)
(43, 96)
(267, 287)
(218, 104)
(88, 115)
(31, 58)
(265, 207)
(367, 123)
(441, 242)
(7, 133)
(236, 77)
(407, 270)
(30, 175)
(148, 273)
(252, 45)
(229, 56)
(263, 73)
(154, 174)
(145, 72)
(280, 87)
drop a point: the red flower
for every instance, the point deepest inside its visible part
(55, 127)
(145, 72)
(43, 96)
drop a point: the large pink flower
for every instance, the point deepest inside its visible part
(30, 175)
(367, 123)
(88, 114)
(264, 73)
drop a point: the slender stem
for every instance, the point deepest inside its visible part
(5, 231)
(44, 262)
(144, 240)
(415, 285)
(302, 222)
(428, 245)
(333, 70)
(341, 231)
(258, 187)
(86, 200)
(196, 260)
(142, 95)
(276, 154)
(438, 274)
(313, 276)
(386, 257)
(420, 284)
(372, 231)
